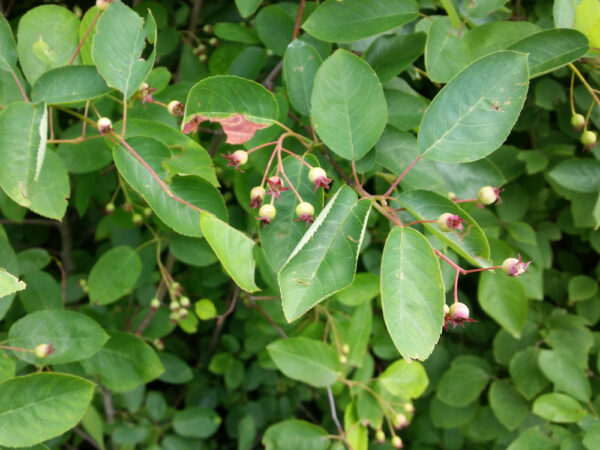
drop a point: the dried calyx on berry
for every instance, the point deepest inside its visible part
(318, 176)
(577, 121)
(266, 213)
(457, 314)
(515, 267)
(305, 212)
(588, 139)
(104, 125)
(176, 108)
(380, 436)
(397, 442)
(185, 302)
(448, 222)
(154, 304)
(257, 195)
(488, 195)
(146, 93)
(276, 186)
(44, 350)
(236, 159)
(109, 208)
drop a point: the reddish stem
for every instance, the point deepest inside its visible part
(261, 146)
(16, 349)
(482, 269)
(78, 49)
(419, 221)
(297, 157)
(268, 167)
(20, 86)
(449, 261)
(291, 185)
(402, 175)
(456, 286)
(298, 19)
(468, 200)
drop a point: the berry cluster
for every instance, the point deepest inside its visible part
(588, 137)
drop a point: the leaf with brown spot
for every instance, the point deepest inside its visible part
(237, 127)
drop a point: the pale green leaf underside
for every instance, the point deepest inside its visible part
(8, 47)
(233, 248)
(324, 261)
(412, 293)
(348, 107)
(38, 407)
(9, 284)
(474, 113)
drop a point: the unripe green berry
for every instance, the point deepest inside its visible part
(487, 195)
(109, 208)
(213, 41)
(203, 58)
(148, 212)
(175, 286)
(176, 108)
(345, 349)
(258, 192)
(305, 209)
(159, 344)
(185, 302)
(208, 29)
(397, 442)
(104, 125)
(442, 222)
(380, 436)
(174, 306)
(588, 138)
(343, 360)
(459, 311)
(315, 173)
(182, 313)
(268, 211)
(43, 350)
(241, 157)
(137, 219)
(577, 120)
(103, 4)
(155, 304)
(400, 421)
(174, 317)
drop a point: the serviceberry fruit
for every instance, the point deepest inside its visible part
(104, 125)
(154, 304)
(448, 222)
(318, 176)
(266, 213)
(257, 195)
(397, 442)
(588, 138)
(276, 186)
(458, 314)
(137, 219)
(305, 212)
(185, 302)
(578, 121)
(488, 195)
(380, 436)
(109, 208)
(176, 108)
(103, 4)
(515, 267)
(237, 159)
(43, 350)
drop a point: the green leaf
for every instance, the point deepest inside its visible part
(87, 156)
(196, 422)
(30, 175)
(8, 47)
(532, 438)
(466, 124)
(41, 406)
(348, 107)
(124, 363)
(233, 248)
(176, 370)
(247, 7)
(73, 336)
(275, 26)
(503, 299)
(281, 236)
(412, 293)
(582, 287)
(507, 404)
(47, 38)
(193, 159)
(324, 261)
(591, 439)
(241, 106)
(462, 384)
(446, 416)
(358, 333)
(351, 20)
(300, 64)
(405, 111)
(587, 20)
(295, 434)
(69, 84)
(119, 42)
(9, 284)
(43, 292)
(577, 174)
(550, 49)
(196, 191)
(405, 379)
(526, 374)
(86, 49)
(236, 32)
(364, 287)
(565, 374)
(427, 205)
(92, 423)
(307, 360)
(357, 434)
(391, 55)
(558, 408)
(114, 275)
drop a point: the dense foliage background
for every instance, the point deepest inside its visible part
(145, 302)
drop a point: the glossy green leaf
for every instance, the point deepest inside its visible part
(391, 55)
(196, 422)
(295, 434)
(508, 405)
(196, 191)
(119, 42)
(41, 406)
(9, 284)
(462, 384)
(503, 299)
(124, 363)
(357, 434)
(8, 47)
(84, 26)
(69, 84)
(73, 336)
(358, 333)
(87, 156)
(281, 236)
(463, 124)
(30, 175)
(47, 38)
(577, 174)
(114, 275)
(412, 293)
(526, 374)
(275, 26)
(233, 248)
(532, 438)
(582, 287)
(447, 416)
(405, 110)
(43, 292)
(351, 20)
(192, 251)
(324, 261)
(564, 373)
(591, 439)
(176, 370)
(364, 287)
(241, 106)
(247, 7)
(587, 19)
(94, 425)
(426, 205)
(307, 360)
(404, 379)
(348, 107)
(558, 408)
(550, 49)
(300, 65)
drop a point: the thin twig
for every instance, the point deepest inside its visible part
(270, 320)
(78, 49)
(298, 20)
(195, 15)
(20, 86)
(585, 83)
(109, 410)
(270, 80)
(402, 175)
(221, 321)
(87, 438)
(333, 411)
